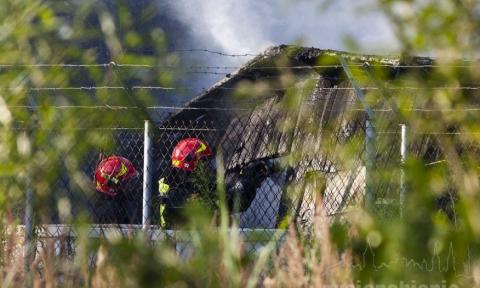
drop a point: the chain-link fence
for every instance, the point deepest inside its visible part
(262, 186)
(279, 164)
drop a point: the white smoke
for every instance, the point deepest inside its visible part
(249, 26)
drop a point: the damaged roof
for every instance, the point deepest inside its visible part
(302, 59)
(248, 128)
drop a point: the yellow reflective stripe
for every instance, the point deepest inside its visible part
(163, 187)
(202, 148)
(162, 211)
(176, 163)
(122, 171)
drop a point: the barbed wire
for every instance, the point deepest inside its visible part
(133, 65)
(114, 107)
(235, 88)
(125, 128)
(430, 133)
(83, 128)
(118, 107)
(93, 88)
(175, 128)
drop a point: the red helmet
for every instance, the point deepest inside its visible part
(188, 152)
(110, 172)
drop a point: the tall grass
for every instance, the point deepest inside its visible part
(425, 246)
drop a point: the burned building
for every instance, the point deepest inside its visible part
(290, 104)
(305, 111)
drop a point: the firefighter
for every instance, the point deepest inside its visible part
(194, 176)
(111, 173)
(113, 204)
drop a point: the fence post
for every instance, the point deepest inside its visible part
(27, 247)
(403, 155)
(369, 165)
(147, 175)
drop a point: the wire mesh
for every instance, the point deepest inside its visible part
(253, 154)
(124, 208)
(279, 164)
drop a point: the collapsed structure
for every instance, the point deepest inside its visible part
(326, 117)
(299, 106)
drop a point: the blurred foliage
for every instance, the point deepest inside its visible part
(427, 245)
(48, 50)
(38, 142)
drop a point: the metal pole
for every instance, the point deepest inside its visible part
(369, 165)
(27, 246)
(147, 175)
(403, 155)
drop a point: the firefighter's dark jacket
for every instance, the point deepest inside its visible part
(241, 185)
